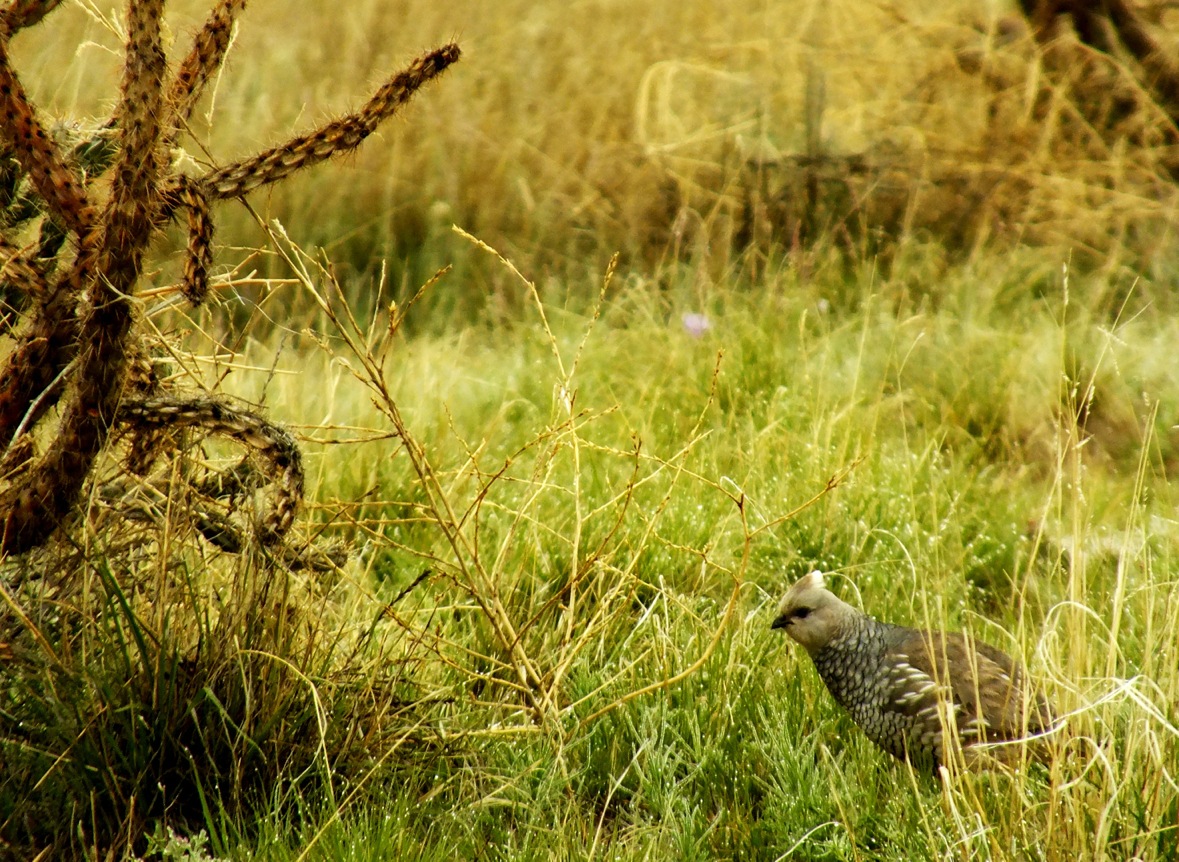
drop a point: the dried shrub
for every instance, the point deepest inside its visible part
(880, 126)
(158, 656)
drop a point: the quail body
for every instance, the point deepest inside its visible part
(919, 695)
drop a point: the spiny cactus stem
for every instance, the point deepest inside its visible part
(199, 252)
(50, 490)
(340, 136)
(48, 394)
(38, 154)
(268, 440)
(18, 270)
(25, 13)
(206, 56)
(26, 389)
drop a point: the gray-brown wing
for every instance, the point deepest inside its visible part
(989, 690)
(916, 701)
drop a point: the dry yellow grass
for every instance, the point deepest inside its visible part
(589, 126)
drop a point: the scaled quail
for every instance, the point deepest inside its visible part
(911, 690)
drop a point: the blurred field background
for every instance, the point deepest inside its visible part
(894, 298)
(581, 129)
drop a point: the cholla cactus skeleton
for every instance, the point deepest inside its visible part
(78, 322)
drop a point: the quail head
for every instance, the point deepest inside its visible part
(919, 695)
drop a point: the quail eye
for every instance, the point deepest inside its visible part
(801, 613)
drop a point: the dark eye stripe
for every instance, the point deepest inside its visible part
(800, 613)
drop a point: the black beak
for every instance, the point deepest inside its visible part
(780, 622)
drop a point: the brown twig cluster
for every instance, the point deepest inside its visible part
(1111, 27)
(71, 296)
(982, 130)
(1114, 28)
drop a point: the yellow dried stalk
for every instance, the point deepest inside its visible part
(339, 136)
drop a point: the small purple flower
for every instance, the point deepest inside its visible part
(695, 324)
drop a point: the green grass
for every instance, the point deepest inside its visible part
(967, 497)
(569, 531)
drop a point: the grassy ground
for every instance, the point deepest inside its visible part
(573, 502)
(960, 492)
